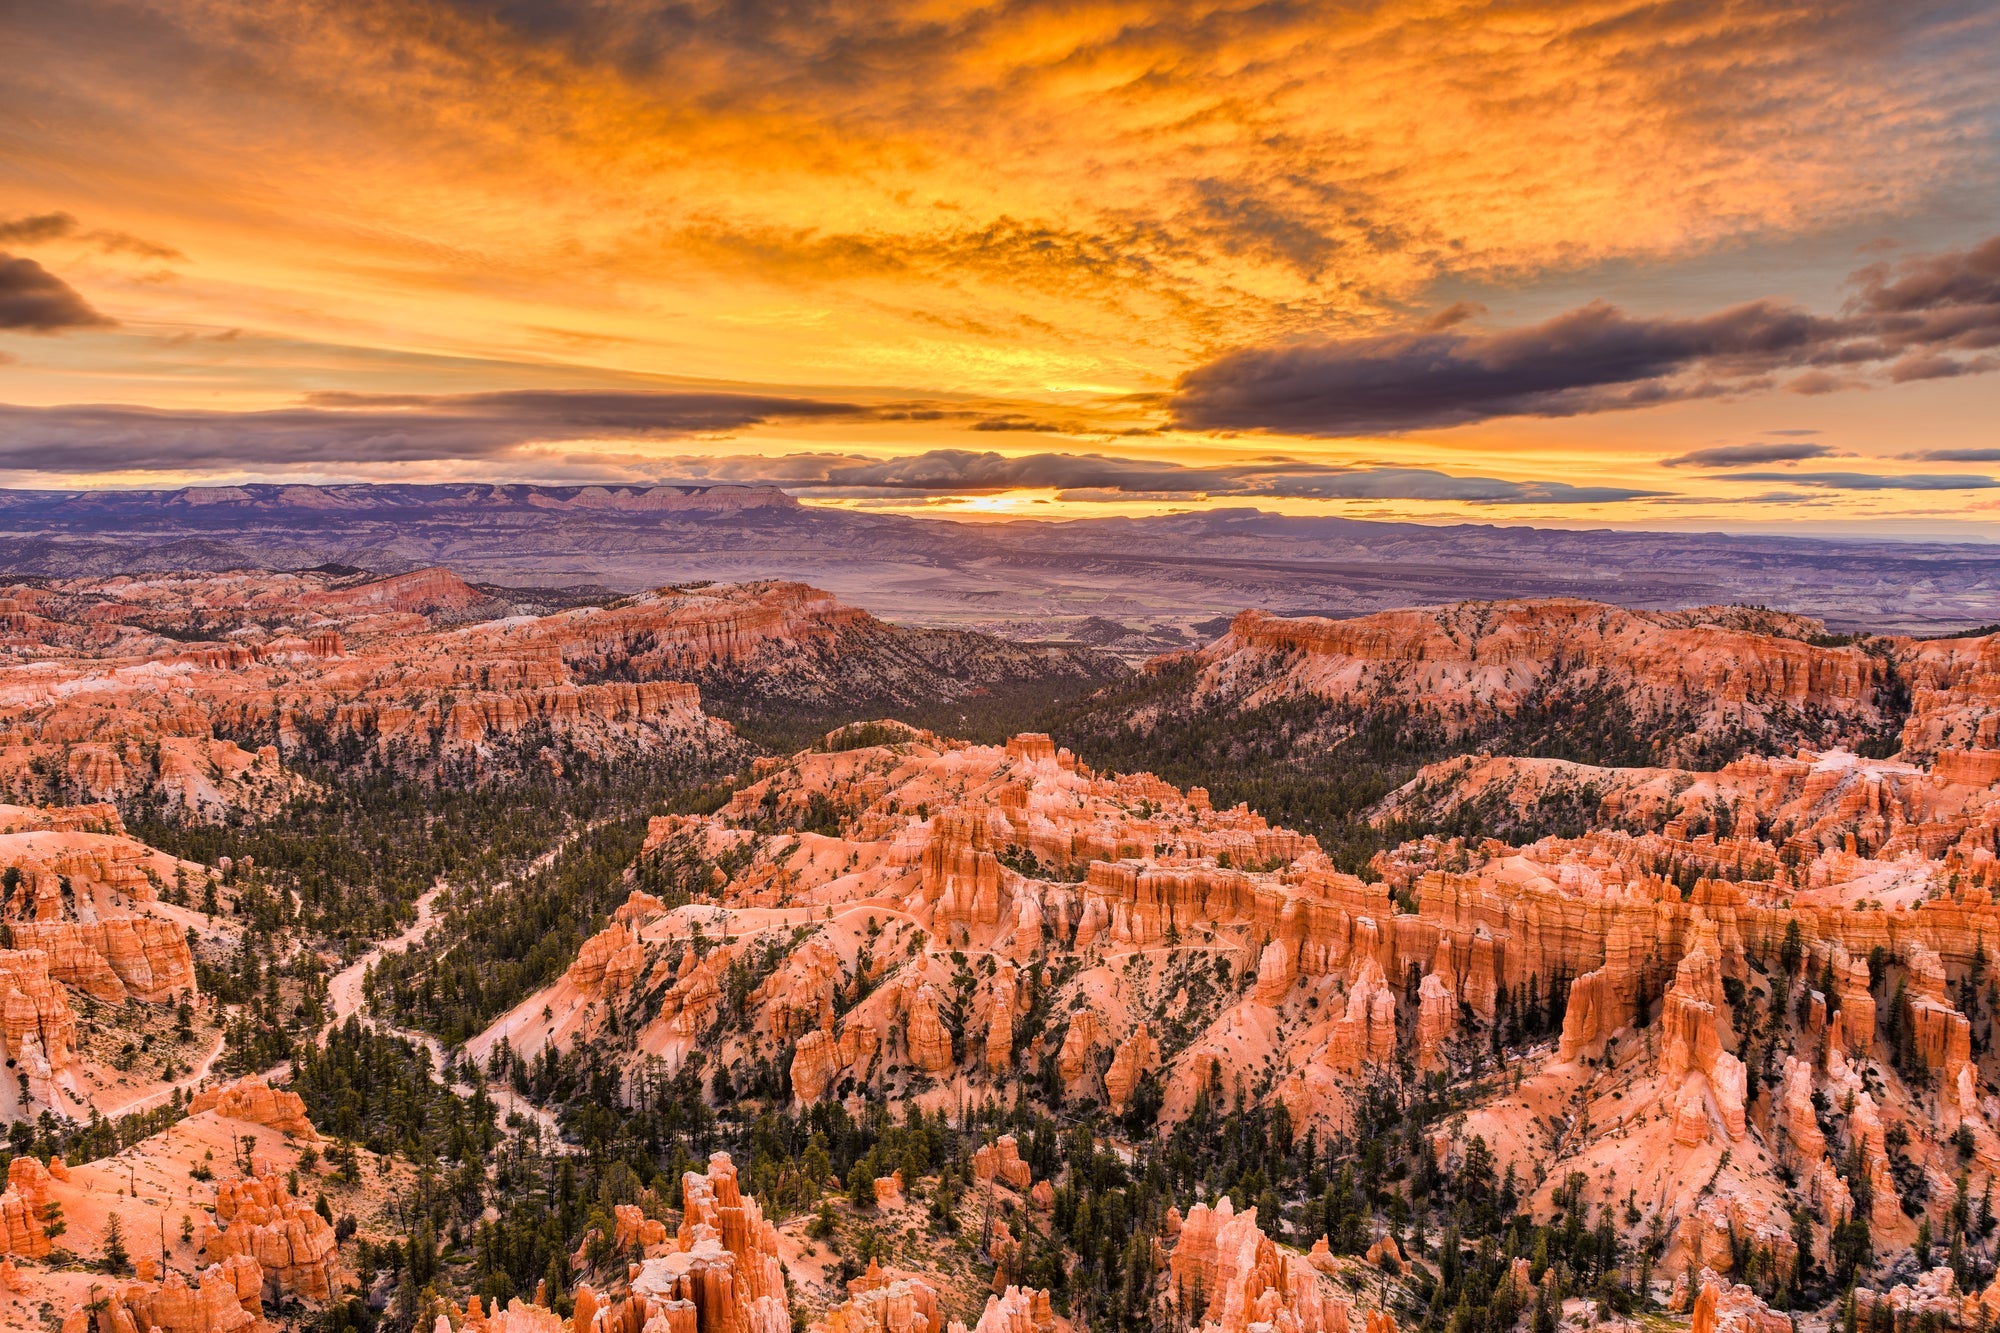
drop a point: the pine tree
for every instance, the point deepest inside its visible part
(115, 1260)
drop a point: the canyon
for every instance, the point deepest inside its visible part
(1725, 994)
(988, 911)
(207, 694)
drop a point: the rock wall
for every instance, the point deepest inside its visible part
(36, 1022)
(114, 959)
(292, 1245)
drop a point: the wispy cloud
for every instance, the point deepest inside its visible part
(1748, 455)
(1956, 455)
(40, 228)
(371, 428)
(1101, 478)
(1872, 481)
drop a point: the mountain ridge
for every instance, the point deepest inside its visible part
(1159, 576)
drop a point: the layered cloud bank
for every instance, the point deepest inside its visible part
(1931, 317)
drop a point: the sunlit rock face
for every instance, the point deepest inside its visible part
(251, 1099)
(37, 1024)
(1244, 1280)
(208, 693)
(1696, 672)
(1753, 977)
(723, 1271)
(293, 1246)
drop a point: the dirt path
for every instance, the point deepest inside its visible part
(346, 997)
(188, 1082)
(344, 993)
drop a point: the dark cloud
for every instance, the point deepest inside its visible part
(1922, 318)
(37, 301)
(1870, 481)
(1956, 455)
(337, 429)
(1748, 455)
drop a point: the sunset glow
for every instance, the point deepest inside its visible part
(1600, 262)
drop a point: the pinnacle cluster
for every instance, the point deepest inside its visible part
(1655, 985)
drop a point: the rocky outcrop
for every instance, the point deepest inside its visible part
(609, 962)
(21, 1209)
(1779, 873)
(1277, 970)
(1015, 1310)
(1795, 1113)
(1229, 1267)
(37, 1023)
(798, 997)
(1075, 1061)
(1601, 1000)
(822, 1059)
(1136, 1056)
(878, 1303)
(293, 1246)
(251, 1098)
(724, 1275)
(1437, 1016)
(1865, 1133)
(1366, 1033)
(1722, 1307)
(116, 958)
(1001, 1161)
(1691, 1045)
(929, 1040)
(634, 1230)
(225, 1298)
(1001, 1000)
(1473, 660)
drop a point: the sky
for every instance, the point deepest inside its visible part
(1614, 262)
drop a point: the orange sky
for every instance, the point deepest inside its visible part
(1202, 234)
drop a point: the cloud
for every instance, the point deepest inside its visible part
(1921, 318)
(1763, 498)
(336, 429)
(1147, 183)
(1016, 422)
(360, 432)
(1748, 455)
(1098, 477)
(36, 229)
(1869, 481)
(37, 301)
(1956, 455)
(40, 228)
